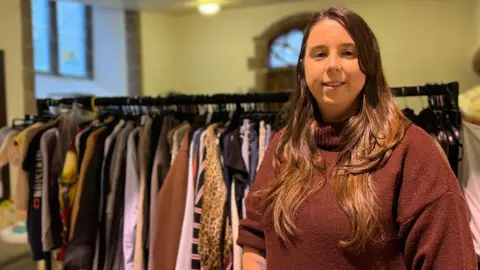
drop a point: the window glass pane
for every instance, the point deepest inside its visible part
(41, 35)
(72, 42)
(285, 49)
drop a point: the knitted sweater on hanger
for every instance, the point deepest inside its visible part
(423, 212)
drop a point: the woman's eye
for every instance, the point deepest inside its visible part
(320, 55)
(349, 53)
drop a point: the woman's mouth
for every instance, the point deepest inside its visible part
(332, 85)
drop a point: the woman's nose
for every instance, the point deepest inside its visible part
(333, 63)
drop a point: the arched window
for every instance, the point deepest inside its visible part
(276, 53)
(283, 52)
(285, 49)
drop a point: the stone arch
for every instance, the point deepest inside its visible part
(259, 63)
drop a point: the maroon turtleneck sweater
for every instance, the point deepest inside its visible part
(423, 209)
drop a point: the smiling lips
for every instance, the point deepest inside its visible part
(333, 84)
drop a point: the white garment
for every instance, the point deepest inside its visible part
(184, 255)
(245, 135)
(470, 177)
(268, 134)
(132, 188)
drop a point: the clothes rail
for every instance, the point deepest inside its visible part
(449, 89)
(176, 99)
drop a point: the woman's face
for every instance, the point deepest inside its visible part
(331, 70)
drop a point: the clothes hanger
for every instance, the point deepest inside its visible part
(452, 109)
(22, 123)
(407, 111)
(438, 122)
(446, 122)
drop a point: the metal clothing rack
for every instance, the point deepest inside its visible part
(449, 90)
(176, 99)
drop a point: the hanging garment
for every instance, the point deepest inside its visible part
(268, 135)
(470, 177)
(199, 192)
(67, 189)
(78, 138)
(237, 250)
(160, 169)
(245, 134)
(224, 144)
(84, 166)
(119, 154)
(185, 246)
(131, 199)
(170, 206)
(82, 247)
(7, 136)
(7, 144)
(157, 125)
(115, 204)
(34, 166)
(237, 168)
(261, 143)
(50, 219)
(177, 135)
(105, 188)
(143, 157)
(214, 199)
(22, 142)
(253, 151)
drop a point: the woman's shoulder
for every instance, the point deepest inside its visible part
(417, 140)
(276, 137)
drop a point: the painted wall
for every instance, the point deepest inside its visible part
(11, 43)
(160, 53)
(477, 22)
(476, 43)
(421, 41)
(109, 64)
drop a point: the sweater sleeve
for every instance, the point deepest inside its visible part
(431, 212)
(250, 228)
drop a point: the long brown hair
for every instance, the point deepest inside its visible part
(368, 139)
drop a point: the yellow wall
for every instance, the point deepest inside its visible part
(159, 52)
(477, 25)
(421, 41)
(11, 44)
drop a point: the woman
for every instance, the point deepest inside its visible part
(350, 183)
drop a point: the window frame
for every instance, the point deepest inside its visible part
(54, 40)
(284, 31)
(259, 63)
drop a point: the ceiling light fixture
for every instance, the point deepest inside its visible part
(209, 8)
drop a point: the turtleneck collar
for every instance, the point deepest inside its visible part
(327, 136)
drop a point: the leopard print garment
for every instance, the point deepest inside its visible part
(214, 199)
